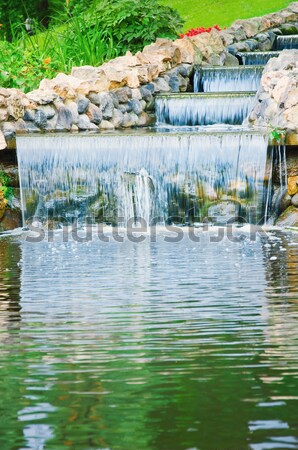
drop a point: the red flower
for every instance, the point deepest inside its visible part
(196, 31)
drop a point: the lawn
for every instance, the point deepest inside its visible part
(205, 13)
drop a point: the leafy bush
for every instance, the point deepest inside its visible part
(134, 24)
(23, 67)
(106, 30)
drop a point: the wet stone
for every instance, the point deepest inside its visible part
(135, 106)
(83, 104)
(40, 119)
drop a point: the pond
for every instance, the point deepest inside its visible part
(176, 342)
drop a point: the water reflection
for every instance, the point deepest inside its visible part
(150, 346)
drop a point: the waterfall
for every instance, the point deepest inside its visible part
(155, 175)
(232, 79)
(287, 42)
(203, 109)
(256, 58)
(278, 169)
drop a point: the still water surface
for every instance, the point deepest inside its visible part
(149, 346)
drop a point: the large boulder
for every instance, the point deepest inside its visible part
(277, 99)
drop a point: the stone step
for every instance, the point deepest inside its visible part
(256, 58)
(287, 42)
(192, 109)
(228, 79)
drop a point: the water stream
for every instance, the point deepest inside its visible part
(203, 109)
(152, 176)
(232, 79)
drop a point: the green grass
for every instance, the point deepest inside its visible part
(206, 13)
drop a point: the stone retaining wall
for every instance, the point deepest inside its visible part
(120, 93)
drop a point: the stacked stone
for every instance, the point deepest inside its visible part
(277, 100)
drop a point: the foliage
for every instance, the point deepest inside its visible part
(277, 135)
(85, 38)
(134, 24)
(200, 30)
(5, 188)
(23, 67)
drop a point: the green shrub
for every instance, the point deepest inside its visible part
(106, 30)
(134, 24)
(23, 67)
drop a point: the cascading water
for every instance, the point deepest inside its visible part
(151, 176)
(232, 79)
(277, 163)
(287, 42)
(203, 109)
(256, 58)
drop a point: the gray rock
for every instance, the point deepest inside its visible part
(51, 124)
(29, 115)
(183, 83)
(143, 120)
(146, 94)
(106, 105)
(31, 128)
(262, 37)
(20, 125)
(174, 83)
(136, 94)
(94, 98)
(186, 70)
(252, 44)
(84, 122)
(114, 99)
(8, 129)
(93, 127)
(73, 107)
(49, 110)
(123, 108)
(129, 120)
(82, 103)
(160, 85)
(135, 106)
(94, 114)
(295, 200)
(117, 118)
(64, 119)
(106, 125)
(40, 119)
(265, 46)
(150, 87)
(231, 60)
(123, 94)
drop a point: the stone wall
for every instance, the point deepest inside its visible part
(120, 93)
(277, 99)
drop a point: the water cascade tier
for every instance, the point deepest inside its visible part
(287, 42)
(203, 109)
(256, 58)
(231, 79)
(157, 177)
